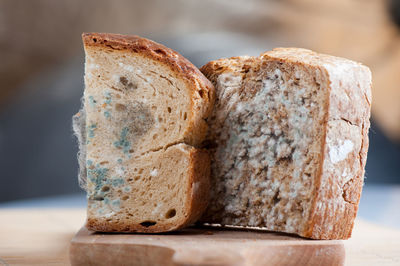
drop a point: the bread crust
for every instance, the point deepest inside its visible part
(203, 94)
(349, 103)
(347, 110)
(197, 195)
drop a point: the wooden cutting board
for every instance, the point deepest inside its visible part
(203, 246)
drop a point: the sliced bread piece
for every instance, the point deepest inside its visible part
(144, 111)
(161, 191)
(289, 139)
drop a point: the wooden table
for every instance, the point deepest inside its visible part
(42, 237)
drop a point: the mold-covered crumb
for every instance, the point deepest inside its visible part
(92, 101)
(79, 127)
(91, 129)
(107, 98)
(107, 114)
(128, 85)
(260, 153)
(122, 142)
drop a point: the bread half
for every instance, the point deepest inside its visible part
(143, 116)
(289, 139)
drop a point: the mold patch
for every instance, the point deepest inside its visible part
(79, 128)
(137, 120)
(128, 85)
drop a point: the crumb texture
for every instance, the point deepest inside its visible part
(266, 130)
(145, 198)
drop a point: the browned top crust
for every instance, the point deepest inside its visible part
(156, 51)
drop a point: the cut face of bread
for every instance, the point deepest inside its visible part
(288, 138)
(162, 191)
(155, 93)
(144, 110)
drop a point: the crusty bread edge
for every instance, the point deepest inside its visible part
(199, 184)
(317, 219)
(342, 229)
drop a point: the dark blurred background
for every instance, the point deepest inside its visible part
(41, 67)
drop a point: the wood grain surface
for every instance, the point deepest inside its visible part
(203, 246)
(43, 237)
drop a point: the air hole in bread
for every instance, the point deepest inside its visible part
(160, 119)
(159, 51)
(140, 171)
(123, 80)
(125, 197)
(131, 151)
(185, 116)
(137, 178)
(99, 198)
(120, 107)
(131, 86)
(169, 109)
(105, 188)
(171, 213)
(104, 162)
(276, 198)
(94, 40)
(201, 93)
(148, 223)
(155, 136)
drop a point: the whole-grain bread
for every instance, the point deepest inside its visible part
(288, 140)
(143, 117)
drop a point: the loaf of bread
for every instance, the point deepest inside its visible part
(143, 115)
(289, 139)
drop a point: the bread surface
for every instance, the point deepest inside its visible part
(143, 117)
(288, 140)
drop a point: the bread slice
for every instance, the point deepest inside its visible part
(166, 190)
(289, 139)
(143, 114)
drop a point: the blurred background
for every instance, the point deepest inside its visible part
(42, 60)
